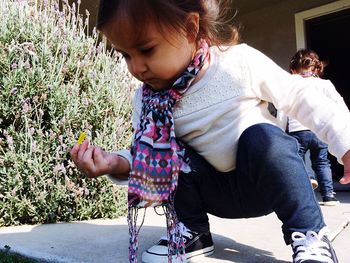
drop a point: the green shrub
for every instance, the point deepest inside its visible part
(55, 81)
(7, 256)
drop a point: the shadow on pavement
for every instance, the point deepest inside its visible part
(232, 251)
(84, 242)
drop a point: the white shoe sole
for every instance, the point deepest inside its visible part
(331, 203)
(200, 253)
(148, 257)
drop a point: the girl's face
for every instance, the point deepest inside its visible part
(153, 59)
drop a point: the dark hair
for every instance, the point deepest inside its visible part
(307, 59)
(215, 25)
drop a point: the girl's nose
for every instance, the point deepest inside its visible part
(137, 66)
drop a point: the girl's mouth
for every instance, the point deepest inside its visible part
(149, 80)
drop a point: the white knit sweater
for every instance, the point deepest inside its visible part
(232, 96)
(328, 89)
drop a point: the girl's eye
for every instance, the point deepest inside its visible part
(125, 56)
(146, 50)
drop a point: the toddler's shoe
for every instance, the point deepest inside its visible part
(313, 248)
(196, 245)
(330, 200)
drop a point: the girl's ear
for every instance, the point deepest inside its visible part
(192, 26)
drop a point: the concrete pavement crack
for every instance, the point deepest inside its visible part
(332, 236)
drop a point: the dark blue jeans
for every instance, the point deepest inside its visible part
(269, 177)
(319, 158)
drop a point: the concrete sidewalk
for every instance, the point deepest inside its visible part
(256, 240)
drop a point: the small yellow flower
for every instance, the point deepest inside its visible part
(82, 137)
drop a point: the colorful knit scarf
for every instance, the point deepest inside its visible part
(158, 157)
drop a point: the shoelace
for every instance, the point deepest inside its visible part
(310, 246)
(186, 232)
(332, 194)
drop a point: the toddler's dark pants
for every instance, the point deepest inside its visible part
(319, 158)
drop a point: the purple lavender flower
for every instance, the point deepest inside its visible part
(13, 91)
(64, 49)
(9, 140)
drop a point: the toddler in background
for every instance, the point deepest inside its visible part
(307, 64)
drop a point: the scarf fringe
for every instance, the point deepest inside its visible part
(176, 244)
(134, 232)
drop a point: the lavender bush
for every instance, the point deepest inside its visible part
(55, 81)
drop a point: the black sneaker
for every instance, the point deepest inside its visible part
(330, 200)
(196, 245)
(313, 248)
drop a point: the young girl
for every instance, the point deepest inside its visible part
(204, 139)
(306, 63)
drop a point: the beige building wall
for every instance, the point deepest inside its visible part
(92, 7)
(272, 29)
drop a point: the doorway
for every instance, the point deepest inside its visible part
(329, 36)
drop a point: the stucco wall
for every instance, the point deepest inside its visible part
(272, 29)
(92, 6)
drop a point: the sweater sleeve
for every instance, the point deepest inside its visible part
(301, 99)
(126, 154)
(333, 94)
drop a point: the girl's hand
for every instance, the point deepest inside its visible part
(346, 161)
(93, 161)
